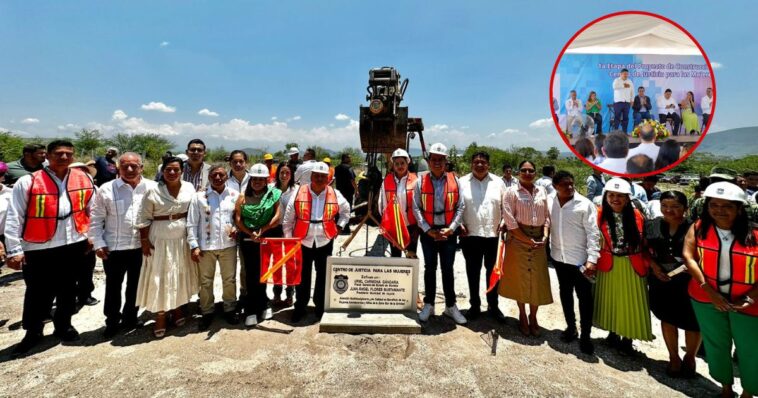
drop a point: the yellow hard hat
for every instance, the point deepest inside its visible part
(268, 156)
(327, 160)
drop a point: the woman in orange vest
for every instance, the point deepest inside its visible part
(720, 251)
(400, 184)
(669, 300)
(621, 296)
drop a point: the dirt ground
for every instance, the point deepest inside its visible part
(281, 359)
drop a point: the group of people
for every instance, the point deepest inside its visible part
(166, 239)
(612, 152)
(588, 114)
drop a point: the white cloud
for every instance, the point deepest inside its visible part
(541, 123)
(165, 43)
(717, 65)
(118, 114)
(297, 117)
(207, 112)
(274, 118)
(511, 131)
(158, 106)
(341, 117)
(69, 127)
(30, 120)
(438, 127)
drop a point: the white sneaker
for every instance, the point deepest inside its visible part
(454, 313)
(251, 320)
(426, 312)
(268, 314)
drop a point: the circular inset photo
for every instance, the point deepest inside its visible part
(632, 94)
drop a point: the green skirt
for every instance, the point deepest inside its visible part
(621, 302)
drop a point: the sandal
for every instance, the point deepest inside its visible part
(159, 330)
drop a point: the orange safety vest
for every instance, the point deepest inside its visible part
(390, 191)
(41, 218)
(605, 261)
(272, 174)
(303, 212)
(450, 194)
(743, 269)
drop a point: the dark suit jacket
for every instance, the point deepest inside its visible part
(636, 105)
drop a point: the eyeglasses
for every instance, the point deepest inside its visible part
(527, 171)
(196, 150)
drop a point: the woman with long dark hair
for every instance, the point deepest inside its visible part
(621, 297)
(525, 276)
(720, 251)
(169, 278)
(594, 109)
(585, 149)
(668, 154)
(689, 117)
(669, 300)
(285, 183)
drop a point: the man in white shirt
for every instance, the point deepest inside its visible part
(706, 103)
(303, 171)
(546, 181)
(647, 144)
(49, 218)
(482, 224)
(316, 233)
(212, 239)
(574, 242)
(615, 149)
(117, 242)
(623, 95)
(508, 179)
(574, 112)
(667, 108)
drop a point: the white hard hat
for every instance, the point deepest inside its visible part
(183, 157)
(320, 167)
(401, 153)
(438, 149)
(618, 185)
(259, 170)
(294, 151)
(725, 190)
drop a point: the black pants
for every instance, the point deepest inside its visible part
(85, 271)
(570, 279)
(120, 264)
(677, 121)
(706, 117)
(414, 231)
(50, 274)
(256, 300)
(475, 249)
(620, 116)
(442, 252)
(313, 257)
(598, 119)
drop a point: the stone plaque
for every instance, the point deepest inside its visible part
(375, 287)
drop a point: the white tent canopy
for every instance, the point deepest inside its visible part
(633, 34)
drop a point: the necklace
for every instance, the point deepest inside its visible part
(725, 236)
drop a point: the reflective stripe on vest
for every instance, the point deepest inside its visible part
(450, 195)
(743, 260)
(41, 219)
(390, 191)
(605, 261)
(303, 212)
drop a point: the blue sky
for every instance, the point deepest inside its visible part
(269, 72)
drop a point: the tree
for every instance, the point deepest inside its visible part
(11, 146)
(216, 155)
(553, 153)
(149, 145)
(88, 141)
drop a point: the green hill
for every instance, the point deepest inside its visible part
(734, 143)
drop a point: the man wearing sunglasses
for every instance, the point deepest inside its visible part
(195, 169)
(438, 208)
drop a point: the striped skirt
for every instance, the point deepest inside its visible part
(621, 302)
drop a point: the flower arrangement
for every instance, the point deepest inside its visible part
(660, 129)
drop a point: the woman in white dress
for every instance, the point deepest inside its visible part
(169, 277)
